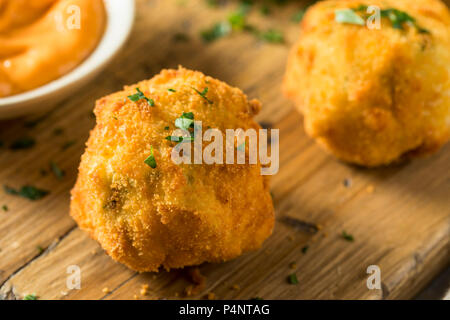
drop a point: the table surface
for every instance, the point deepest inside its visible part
(398, 215)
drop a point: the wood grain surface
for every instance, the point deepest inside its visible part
(398, 215)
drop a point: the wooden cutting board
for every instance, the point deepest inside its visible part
(398, 216)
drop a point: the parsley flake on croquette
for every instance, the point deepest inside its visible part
(140, 96)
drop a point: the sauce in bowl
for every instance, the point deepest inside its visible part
(42, 40)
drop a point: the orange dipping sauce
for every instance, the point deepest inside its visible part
(42, 40)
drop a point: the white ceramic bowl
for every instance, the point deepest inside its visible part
(119, 24)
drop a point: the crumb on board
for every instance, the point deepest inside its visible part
(189, 291)
(136, 297)
(197, 279)
(211, 296)
(236, 287)
(370, 189)
(293, 265)
(339, 270)
(106, 290)
(144, 290)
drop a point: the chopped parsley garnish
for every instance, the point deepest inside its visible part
(57, 170)
(203, 94)
(348, 16)
(217, 31)
(171, 90)
(5, 208)
(397, 17)
(30, 297)
(237, 20)
(179, 139)
(273, 36)
(167, 128)
(265, 10)
(27, 192)
(305, 249)
(213, 3)
(151, 161)
(140, 96)
(23, 143)
(40, 249)
(347, 236)
(292, 279)
(185, 122)
(298, 16)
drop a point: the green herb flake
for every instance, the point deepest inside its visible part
(23, 143)
(399, 18)
(30, 297)
(298, 16)
(348, 16)
(27, 192)
(171, 90)
(179, 139)
(237, 20)
(203, 94)
(140, 96)
(217, 31)
(167, 128)
(185, 122)
(272, 36)
(40, 249)
(151, 161)
(212, 3)
(347, 237)
(5, 208)
(265, 10)
(292, 279)
(305, 249)
(59, 174)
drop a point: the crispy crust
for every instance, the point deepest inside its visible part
(175, 215)
(372, 97)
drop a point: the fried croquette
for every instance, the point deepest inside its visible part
(373, 96)
(152, 214)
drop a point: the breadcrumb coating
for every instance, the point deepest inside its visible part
(173, 215)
